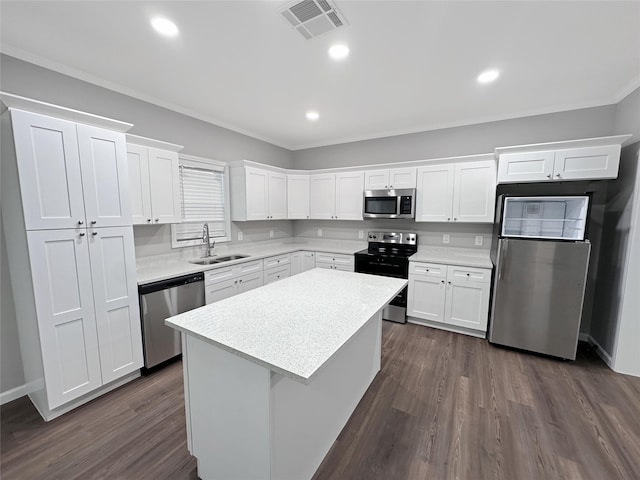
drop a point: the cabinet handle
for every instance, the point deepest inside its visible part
(93, 222)
(81, 234)
(149, 220)
(80, 222)
(94, 233)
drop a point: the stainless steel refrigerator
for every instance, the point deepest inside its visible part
(541, 257)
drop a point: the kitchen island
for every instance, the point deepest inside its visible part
(272, 375)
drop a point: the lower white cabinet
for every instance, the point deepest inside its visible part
(276, 268)
(449, 295)
(221, 283)
(335, 261)
(86, 301)
(302, 261)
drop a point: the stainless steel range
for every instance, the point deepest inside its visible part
(388, 255)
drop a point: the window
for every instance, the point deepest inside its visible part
(204, 187)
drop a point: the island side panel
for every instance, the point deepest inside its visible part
(306, 419)
(229, 413)
(185, 381)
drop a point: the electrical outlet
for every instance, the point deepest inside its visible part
(479, 240)
(240, 236)
(271, 233)
(445, 238)
(360, 233)
(319, 232)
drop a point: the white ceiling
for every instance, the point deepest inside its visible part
(412, 65)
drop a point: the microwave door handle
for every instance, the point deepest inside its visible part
(398, 204)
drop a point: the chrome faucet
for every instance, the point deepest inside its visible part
(205, 240)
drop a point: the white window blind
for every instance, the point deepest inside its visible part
(203, 201)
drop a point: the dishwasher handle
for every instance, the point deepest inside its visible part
(170, 283)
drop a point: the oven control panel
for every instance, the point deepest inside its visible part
(406, 238)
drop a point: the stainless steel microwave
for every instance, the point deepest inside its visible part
(392, 203)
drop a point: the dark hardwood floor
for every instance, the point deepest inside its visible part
(443, 406)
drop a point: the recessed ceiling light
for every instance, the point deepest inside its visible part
(164, 26)
(313, 116)
(488, 76)
(339, 51)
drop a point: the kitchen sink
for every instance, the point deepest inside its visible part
(211, 261)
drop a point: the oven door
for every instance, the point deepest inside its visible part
(389, 203)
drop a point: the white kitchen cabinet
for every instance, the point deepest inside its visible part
(221, 290)
(297, 197)
(250, 281)
(75, 174)
(390, 178)
(336, 196)
(449, 295)
(257, 194)
(154, 181)
(461, 192)
(335, 261)
(276, 273)
(302, 261)
(589, 159)
(225, 282)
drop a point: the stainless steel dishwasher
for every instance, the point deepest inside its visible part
(159, 301)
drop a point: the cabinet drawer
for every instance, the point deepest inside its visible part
(334, 258)
(428, 269)
(249, 267)
(219, 275)
(277, 273)
(277, 261)
(462, 274)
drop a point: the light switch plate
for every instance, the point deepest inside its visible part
(445, 238)
(240, 236)
(360, 233)
(271, 233)
(319, 232)
(479, 240)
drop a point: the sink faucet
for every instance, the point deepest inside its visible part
(205, 240)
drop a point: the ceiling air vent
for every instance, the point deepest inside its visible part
(311, 18)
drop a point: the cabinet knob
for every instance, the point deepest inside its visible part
(449, 283)
(448, 219)
(455, 219)
(235, 281)
(93, 222)
(548, 175)
(278, 276)
(427, 269)
(157, 220)
(94, 233)
(468, 274)
(390, 186)
(307, 216)
(558, 175)
(81, 234)
(149, 220)
(386, 186)
(441, 281)
(80, 222)
(240, 281)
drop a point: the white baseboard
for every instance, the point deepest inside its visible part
(602, 353)
(448, 328)
(14, 393)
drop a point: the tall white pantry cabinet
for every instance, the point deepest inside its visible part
(67, 223)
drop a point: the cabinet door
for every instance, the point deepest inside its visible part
(115, 294)
(164, 184)
(61, 275)
(139, 188)
(221, 290)
(376, 179)
(297, 196)
(402, 178)
(474, 192)
(257, 183)
(426, 297)
(308, 261)
(105, 176)
(467, 304)
(434, 196)
(349, 194)
(322, 196)
(275, 274)
(525, 167)
(49, 171)
(296, 263)
(250, 281)
(277, 196)
(587, 163)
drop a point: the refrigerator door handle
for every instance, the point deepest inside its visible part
(503, 248)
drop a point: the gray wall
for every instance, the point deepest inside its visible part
(627, 115)
(468, 140)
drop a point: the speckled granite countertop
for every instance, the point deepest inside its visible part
(466, 257)
(294, 326)
(162, 267)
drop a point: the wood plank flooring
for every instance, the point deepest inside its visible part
(444, 406)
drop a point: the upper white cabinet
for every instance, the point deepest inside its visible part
(154, 181)
(597, 158)
(75, 174)
(297, 197)
(390, 178)
(336, 196)
(257, 194)
(460, 192)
